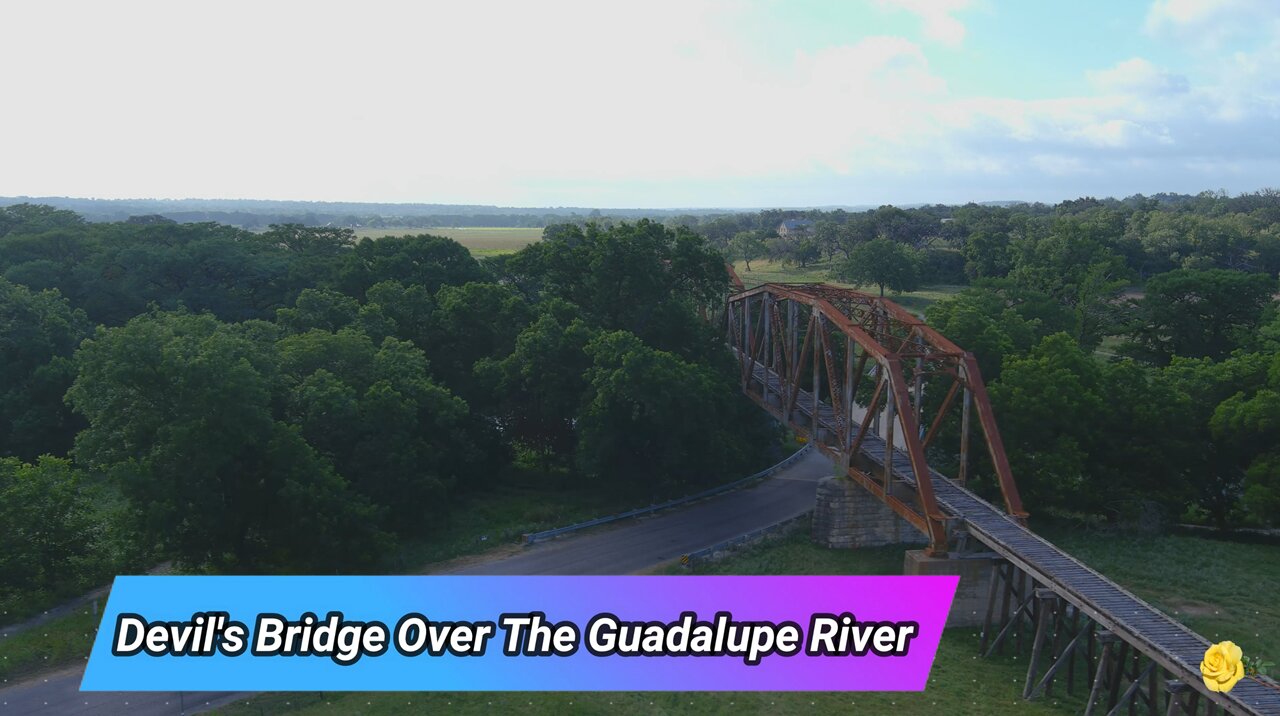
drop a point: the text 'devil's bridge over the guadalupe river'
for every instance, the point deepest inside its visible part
(874, 388)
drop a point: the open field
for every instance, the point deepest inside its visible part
(774, 272)
(481, 241)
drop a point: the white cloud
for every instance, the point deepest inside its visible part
(1208, 23)
(669, 103)
(1137, 76)
(937, 16)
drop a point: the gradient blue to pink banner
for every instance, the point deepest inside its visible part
(925, 600)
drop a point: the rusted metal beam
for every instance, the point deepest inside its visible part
(995, 446)
(942, 412)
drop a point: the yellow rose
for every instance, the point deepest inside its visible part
(1222, 666)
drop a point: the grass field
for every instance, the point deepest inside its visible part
(774, 272)
(481, 241)
(959, 682)
(48, 646)
(1224, 590)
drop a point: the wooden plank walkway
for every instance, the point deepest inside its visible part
(1161, 638)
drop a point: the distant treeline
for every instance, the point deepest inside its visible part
(259, 214)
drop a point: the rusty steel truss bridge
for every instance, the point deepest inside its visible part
(874, 388)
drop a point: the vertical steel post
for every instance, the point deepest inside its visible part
(817, 379)
(793, 349)
(746, 340)
(765, 347)
(889, 418)
(918, 393)
(845, 438)
(963, 474)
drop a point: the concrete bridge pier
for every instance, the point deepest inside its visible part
(848, 517)
(973, 593)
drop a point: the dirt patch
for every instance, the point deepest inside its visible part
(1191, 608)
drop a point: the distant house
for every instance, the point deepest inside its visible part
(795, 227)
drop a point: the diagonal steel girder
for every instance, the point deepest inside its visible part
(891, 339)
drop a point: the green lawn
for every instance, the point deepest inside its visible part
(1222, 590)
(481, 241)
(56, 643)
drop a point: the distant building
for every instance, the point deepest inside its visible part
(795, 227)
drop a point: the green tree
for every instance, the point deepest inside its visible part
(1249, 424)
(179, 411)
(746, 246)
(653, 424)
(541, 384)
(1216, 459)
(38, 334)
(987, 254)
(1199, 314)
(49, 534)
(1047, 402)
(642, 278)
(318, 308)
(399, 438)
(421, 260)
(36, 219)
(883, 263)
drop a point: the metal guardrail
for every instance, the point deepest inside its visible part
(756, 535)
(532, 537)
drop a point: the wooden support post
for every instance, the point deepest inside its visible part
(1044, 598)
(1106, 639)
(1118, 674)
(1174, 690)
(1071, 663)
(1063, 659)
(1152, 697)
(1131, 694)
(1008, 591)
(1022, 591)
(1059, 624)
(1017, 617)
(997, 574)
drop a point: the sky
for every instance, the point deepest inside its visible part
(654, 104)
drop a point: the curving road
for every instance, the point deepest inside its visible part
(632, 546)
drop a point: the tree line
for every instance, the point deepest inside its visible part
(296, 400)
(1132, 346)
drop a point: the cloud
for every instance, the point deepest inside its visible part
(578, 102)
(1207, 23)
(937, 16)
(1137, 76)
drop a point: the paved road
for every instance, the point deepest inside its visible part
(628, 548)
(647, 542)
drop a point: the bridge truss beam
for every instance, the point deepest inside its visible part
(813, 354)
